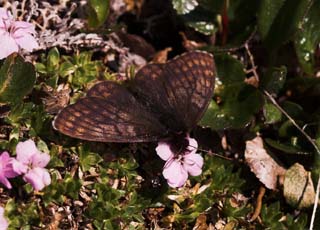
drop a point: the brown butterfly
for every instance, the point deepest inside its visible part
(162, 100)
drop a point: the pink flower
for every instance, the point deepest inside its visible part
(6, 170)
(31, 162)
(15, 35)
(179, 166)
(3, 221)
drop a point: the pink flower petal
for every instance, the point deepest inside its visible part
(4, 157)
(40, 160)
(38, 178)
(25, 40)
(5, 14)
(22, 28)
(5, 17)
(7, 44)
(193, 163)
(3, 221)
(5, 182)
(6, 170)
(175, 174)
(25, 150)
(19, 167)
(163, 150)
(193, 145)
(15, 35)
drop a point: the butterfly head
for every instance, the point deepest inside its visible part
(179, 144)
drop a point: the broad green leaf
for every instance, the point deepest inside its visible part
(241, 21)
(268, 12)
(284, 147)
(308, 38)
(97, 12)
(271, 113)
(17, 78)
(279, 20)
(316, 168)
(274, 79)
(230, 70)
(293, 109)
(238, 101)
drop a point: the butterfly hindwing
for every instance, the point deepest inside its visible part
(192, 82)
(180, 89)
(109, 113)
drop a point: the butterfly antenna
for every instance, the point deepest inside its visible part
(212, 153)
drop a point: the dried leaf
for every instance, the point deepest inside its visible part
(201, 223)
(298, 187)
(161, 56)
(266, 169)
(56, 99)
(190, 44)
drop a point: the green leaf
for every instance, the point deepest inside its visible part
(297, 223)
(212, 5)
(184, 6)
(271, 113)
(241, 21)
(88, 159)
(308, 38)
(203, 27)
(67, 68)
(97, 12)
(17, 78)
(19, 111)
(293, 109)
(271, 216)
(230, 70)
(238, 101)
(268, 12)
(283, 147)
(279, 20)
(41, 68)
(274, 79)
(53, 60)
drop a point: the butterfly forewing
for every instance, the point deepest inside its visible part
(180, 89)
(163, 98)
(109, 117)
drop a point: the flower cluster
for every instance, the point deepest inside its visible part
(179, 166)
(29, 162)
(15, 35)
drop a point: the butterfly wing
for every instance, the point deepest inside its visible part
(178, 91)
(109, 113)
(171, 96)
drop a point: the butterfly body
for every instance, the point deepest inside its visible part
(163, 100)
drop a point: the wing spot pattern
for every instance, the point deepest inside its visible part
(77, 114)
(69, 124)
(177, 92)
